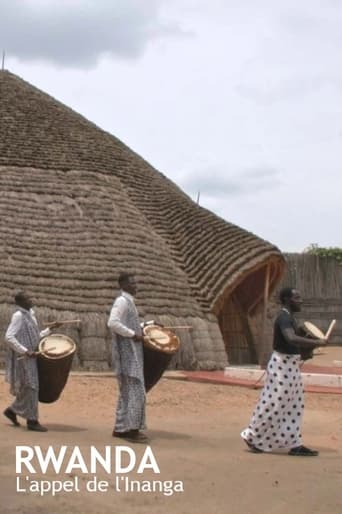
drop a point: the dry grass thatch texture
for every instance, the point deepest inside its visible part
(201, 346)
(77, 206)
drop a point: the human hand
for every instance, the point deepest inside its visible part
(54, 324)
(31, 354)
(152, 322)
(138, 338)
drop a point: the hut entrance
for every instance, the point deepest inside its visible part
(242, 315)
(237, 334)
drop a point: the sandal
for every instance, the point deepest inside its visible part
(303, 451)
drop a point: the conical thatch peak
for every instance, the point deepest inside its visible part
(78, 206)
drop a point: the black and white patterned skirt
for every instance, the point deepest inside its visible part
(276, 420)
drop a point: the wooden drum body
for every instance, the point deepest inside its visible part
(160, 345)
(309, 330)
(54, 363)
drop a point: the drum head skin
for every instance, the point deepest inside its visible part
(313, 331)
(160, 339)
(56, 346)
(157, 335)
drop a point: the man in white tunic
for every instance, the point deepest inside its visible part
(23, 337)
(277, 418)
(128, 362)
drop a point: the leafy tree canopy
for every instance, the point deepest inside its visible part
(334, 252)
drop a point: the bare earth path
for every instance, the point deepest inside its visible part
(194, 430)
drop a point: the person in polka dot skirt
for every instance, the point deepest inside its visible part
(277, 419)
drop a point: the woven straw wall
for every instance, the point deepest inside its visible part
(77, 207)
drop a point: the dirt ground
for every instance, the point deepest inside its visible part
(194, 435)
(327, 356)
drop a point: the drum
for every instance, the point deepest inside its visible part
(160, 345)
(309, 330)
(54, 363)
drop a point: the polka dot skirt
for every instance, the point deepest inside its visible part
(277, 418)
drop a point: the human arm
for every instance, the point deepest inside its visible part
(11, 334)
(51, 326)
(288, 331)
(42, 333)
(304, 342)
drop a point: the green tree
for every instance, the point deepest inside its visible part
(334, 252)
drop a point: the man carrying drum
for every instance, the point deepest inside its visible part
(23, 337)
(128, 360)
(277, 418)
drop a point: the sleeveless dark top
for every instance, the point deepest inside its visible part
(283, 321)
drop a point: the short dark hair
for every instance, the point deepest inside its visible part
(19, 297)
(124, 278)
(286, 293)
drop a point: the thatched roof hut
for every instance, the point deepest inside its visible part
(78, 206)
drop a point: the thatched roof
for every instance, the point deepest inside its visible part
(78, 206)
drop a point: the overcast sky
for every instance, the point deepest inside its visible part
(239, 100)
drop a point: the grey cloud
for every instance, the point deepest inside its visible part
(78, 33)
(218, 182)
